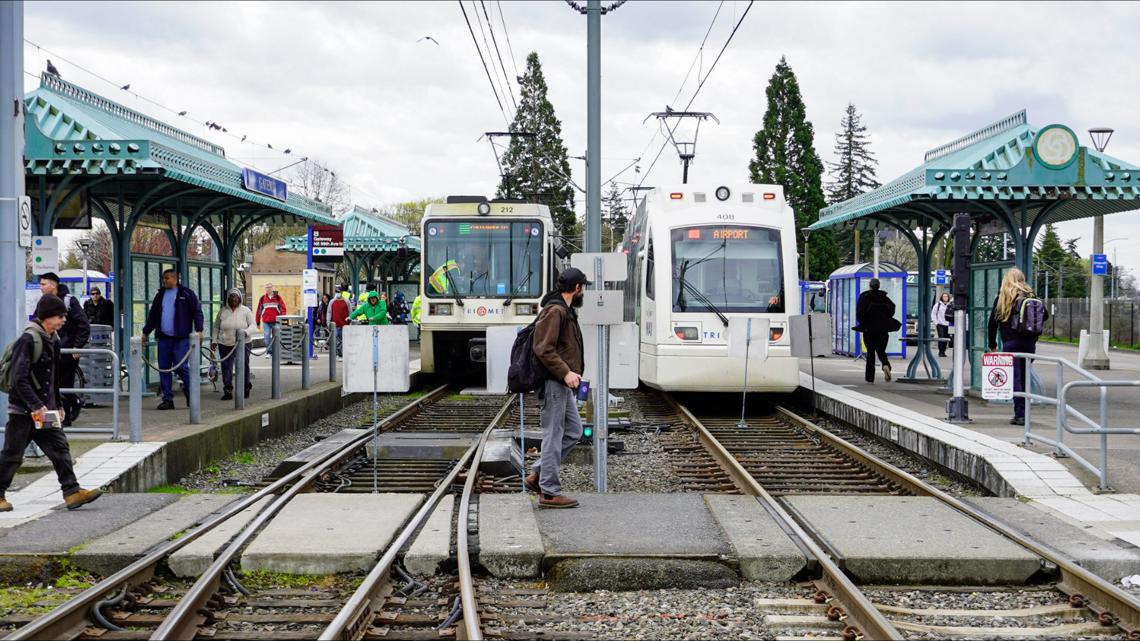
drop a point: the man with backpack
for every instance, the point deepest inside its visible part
(74, 335)
(28, 375)
(269, 307)
(875, 318)
(557, 344)
(1020, 317)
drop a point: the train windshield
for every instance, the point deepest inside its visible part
(727, 269)
(483, 257)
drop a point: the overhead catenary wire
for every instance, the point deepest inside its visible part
(510, 92)
(486, 70)
(487, 46)
(507, 35)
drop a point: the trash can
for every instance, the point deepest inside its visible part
(292, 330)
(98, 369)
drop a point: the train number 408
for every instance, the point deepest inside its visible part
(726, 217)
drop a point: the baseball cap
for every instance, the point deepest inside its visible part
(573, 276)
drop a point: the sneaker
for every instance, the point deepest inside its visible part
(532, 483)
(227, 396)
(887, 373)
(5, 506)
(166, 404)
(1017, 420)
(557, 502)
(81, 498)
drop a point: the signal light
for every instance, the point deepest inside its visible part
(769, 196)
(775, 334)
(686, 333)
(587, 433)
(694, 234)
(676, 195)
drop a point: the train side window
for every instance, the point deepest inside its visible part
(649, 271)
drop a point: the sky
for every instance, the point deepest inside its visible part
(357, 86)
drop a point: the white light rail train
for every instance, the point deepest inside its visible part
(698, 256)
(483, 263)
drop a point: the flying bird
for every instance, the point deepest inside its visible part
(243, 137)
(429, 38)
(51, 69)
(181, 113)
(269, 145)
(288, 151)
(126, 86)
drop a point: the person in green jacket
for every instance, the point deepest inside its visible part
(374, 312)
(417, 307)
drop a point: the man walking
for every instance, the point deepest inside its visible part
(174, 313)
(32, 392)
(338, 318)
(269, 307)
(99, 310)
(875, 318)
(73, 335)
(557, 343)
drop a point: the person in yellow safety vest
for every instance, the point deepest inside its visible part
(417, 305)
(374, 312)
(439, 280)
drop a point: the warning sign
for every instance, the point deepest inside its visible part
(997, 376)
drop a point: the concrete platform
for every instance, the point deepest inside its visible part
(109, 554)
(913, 540)
(1109, 559)
(197, 556)
(330, 533)
(433, 544)
(510, 542)
(763, 549)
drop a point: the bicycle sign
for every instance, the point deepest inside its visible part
(997, 376)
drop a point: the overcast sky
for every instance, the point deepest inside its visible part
(353, 85)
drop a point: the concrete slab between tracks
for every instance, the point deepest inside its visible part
(423, 445)
(764, 550)
(322, 534)
(109, 554)
(433, 543)
(510, 542)
(193, 559)
(913, 540)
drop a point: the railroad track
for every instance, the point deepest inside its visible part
(139, 602)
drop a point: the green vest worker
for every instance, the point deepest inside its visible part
(417, 305)
(373, 312)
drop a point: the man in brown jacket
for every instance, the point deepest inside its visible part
(558, 345)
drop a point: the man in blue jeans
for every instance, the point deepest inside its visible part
(174, 313)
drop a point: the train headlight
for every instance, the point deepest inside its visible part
(722, 193)
(484, 209)
(775, 334)
(687, 333)
(525, 309)
(439, 309)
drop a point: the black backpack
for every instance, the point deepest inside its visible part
(526, 373)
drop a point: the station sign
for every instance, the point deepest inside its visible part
(25, 211)
(941, 277)
(265, 185)
(309, 282)
(45, 254)
(1099, 264)
(327, 244)
(997, 376)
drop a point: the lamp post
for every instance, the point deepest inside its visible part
(84, 246)
(807, 234)
(1097, 357)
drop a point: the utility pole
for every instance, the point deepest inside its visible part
(1096, 357)
(593, 240)
(11, 173)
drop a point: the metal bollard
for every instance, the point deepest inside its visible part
(240, 375)
(306, 342)
(135, 376)
(275, 385)
(332, 342)
(195, 378)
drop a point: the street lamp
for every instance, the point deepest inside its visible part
(1097, 357)
(807, 234)
(85, 245)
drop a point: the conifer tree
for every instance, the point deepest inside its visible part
(536, 167)
(852, 174)
(615, 215)
(1050, 258)
(785, 155)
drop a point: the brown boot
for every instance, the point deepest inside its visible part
(81, 498)
(532, 483)
(5, 506)
(557, 502)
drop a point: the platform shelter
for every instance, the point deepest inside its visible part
(86, 152)
(1012, 178)
(382, 250)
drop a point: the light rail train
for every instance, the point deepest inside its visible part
(698, 256)
(484, 263)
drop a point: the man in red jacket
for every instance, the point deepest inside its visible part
(338, 314)
(268, 309)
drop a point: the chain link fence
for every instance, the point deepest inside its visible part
(1068, 316)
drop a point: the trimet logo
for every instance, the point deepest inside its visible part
(483, 310)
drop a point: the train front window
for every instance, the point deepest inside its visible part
(484, 258)
(727, 269)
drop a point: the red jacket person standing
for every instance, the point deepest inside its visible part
(269, 307)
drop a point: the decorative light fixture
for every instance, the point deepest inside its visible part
(1100, 137)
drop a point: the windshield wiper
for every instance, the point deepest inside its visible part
(454, 287)
(518, 289)
(701, 298)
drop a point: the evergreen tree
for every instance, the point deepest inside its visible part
(615, 215)
(785, 155)
(852, 174)
(536, 167)
(1076, 272)
(1050, 259)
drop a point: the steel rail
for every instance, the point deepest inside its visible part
(352, 622)
(69, 619)
(870, 623)
(1100, 595)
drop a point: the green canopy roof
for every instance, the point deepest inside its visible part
(365, 231)
(998, 172)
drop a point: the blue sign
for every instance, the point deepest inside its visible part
(1099, 264)
(940, 277)
(265, 185)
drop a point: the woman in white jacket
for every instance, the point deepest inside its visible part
(941, 325)
(233, 318)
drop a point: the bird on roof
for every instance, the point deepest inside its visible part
(429, 38)
(225, 131)
(208, 123)
(288, 151)
(51, 69)
(126, 86)
(181, 113)
(269, 145)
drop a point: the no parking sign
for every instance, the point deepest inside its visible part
(997, 376)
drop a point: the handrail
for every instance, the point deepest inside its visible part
(1093, 427)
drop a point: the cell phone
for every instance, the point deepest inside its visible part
(583, 390)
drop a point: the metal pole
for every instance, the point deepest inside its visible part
(241, 377)
(195, 378)
(744, 392)
(11, 174)
(806, 259)
(601, 401)
(135, 378)
(522, 444)
(305, 344)
(275, 360)
(375, 410)
(593, 239)
(875, 254)
(1103, 438)
(86, 288)
(117, 388)
(858, 238)
(332, 342)
(1095, 357)
(958, 407)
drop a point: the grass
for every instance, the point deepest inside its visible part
(1065, 340)
(245, 458)
(170, 489)
(266, 580)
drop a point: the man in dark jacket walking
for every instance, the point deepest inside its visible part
(99, 310)
(557, 343)
(174, 313)
(74, 335)
(33, 393)
(875, 318)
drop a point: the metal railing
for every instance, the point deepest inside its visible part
(113, 391)
(1064, 410)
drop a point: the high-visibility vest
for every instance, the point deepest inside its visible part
(439, 280)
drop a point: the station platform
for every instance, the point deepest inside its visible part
(990, 450)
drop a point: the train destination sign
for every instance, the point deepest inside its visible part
(718, 233)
